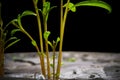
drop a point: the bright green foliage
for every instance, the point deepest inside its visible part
(71, 7)
(58, 40)
(42, 24)
(27, 12)
(96, 3)
(46, 9)
(46, 35)
(33, 42)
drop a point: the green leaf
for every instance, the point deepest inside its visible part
(58, 39)
(96, 3)
(14, 20)
(52, 8)
(27, 12)
(12, 43)
(40, 10)
(11, 38)
(19, 20)
(46, 8)
(50, 44)
(46, 34)
(71, 7)
(34, 43)
(14, 31)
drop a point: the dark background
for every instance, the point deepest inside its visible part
(88, 29)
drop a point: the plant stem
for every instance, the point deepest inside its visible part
(54, 47)
(1, 46)
(47, 50)
(41, 40)
(62, 27)
(1, 24)
(1, 58)
(28, 35)
(46, 45)
(44, 1)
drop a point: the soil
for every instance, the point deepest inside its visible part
(76, 66)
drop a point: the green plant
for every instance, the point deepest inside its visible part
(5, 42)
(42, 20)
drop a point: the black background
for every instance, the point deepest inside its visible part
(88, 29)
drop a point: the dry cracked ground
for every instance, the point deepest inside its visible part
(76, 66)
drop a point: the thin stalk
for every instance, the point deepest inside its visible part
(1, 24)
(28, 35)
(41, 40)
(1, 46)
(60, 48)
(46, 46)
(1, 58)
(47, 49)
(44, 1)
(54, 47)
(62, 27)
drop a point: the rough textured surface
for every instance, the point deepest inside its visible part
(76, 65)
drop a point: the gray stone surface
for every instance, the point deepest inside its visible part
(76, 65)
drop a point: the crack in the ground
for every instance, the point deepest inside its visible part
(25, 61)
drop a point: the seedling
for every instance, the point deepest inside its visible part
(5, 42)
(65, 8)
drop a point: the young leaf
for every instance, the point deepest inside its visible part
(58, 39)
(71, 7)
(19, 20)
(52, 8)
(46, 35)
(11, 38)
(12, 43)
(14, 20)
(34, 43)
(50, 44)
(46, 8)
(27, 12)
(96, 3)
(14, 31)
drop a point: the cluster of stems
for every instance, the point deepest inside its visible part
(56, 73)
(63, 15)
(47, 72)
(42, 20)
